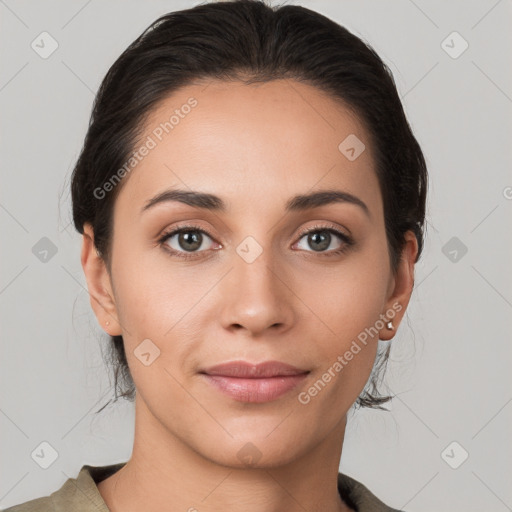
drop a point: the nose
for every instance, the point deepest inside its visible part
(257, 296)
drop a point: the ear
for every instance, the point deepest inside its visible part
(400, 287)
(99, 284)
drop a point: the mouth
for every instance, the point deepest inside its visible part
(254, 383)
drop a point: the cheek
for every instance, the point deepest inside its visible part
(349, 301)
(347, 354)
(152, 293)
(349, 298)
(161, 303)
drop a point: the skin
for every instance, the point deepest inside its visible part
(255, 146)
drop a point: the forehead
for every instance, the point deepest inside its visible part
(268, 140)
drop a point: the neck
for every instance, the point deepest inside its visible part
(164, 471)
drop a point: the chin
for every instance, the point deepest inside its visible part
(256, 449)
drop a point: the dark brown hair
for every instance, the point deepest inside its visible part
(249, 41)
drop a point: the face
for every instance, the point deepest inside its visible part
(246, 281)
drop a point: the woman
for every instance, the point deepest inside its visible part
(252, 204)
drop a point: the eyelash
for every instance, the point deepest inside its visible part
(347, 240)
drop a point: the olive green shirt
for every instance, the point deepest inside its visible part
(81, 494)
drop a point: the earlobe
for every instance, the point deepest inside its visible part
(99, 284)
(403, 284)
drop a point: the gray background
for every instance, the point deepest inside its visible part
(451, 358)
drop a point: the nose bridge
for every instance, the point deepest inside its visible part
(254, 295)
(255, 265)
(255, 268)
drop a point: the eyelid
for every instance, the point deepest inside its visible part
(167, 234)
(325, 227)
(175, 230)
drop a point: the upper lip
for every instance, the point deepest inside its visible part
(253, 371)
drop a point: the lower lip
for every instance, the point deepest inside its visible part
(255, 390)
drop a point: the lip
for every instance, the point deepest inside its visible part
(242, 369)
(255, 383)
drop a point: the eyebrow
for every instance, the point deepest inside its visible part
(297, 203)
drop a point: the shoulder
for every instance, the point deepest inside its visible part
(359, 497)
(43, 504)
(78, 494)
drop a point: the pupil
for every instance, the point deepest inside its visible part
(323, 237)
(190, 237)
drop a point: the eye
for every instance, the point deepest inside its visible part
(320, 238)
(185, 239)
